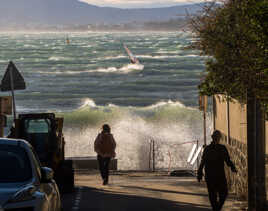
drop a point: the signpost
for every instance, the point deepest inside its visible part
(203, 100)
(6, 105)
(11, 81)
(5, 109)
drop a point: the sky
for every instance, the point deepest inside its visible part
(139, 3)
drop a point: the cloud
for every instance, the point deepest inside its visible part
(139, 3)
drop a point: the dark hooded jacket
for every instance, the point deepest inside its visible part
(213, 159)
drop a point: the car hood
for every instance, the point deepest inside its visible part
(6, 193)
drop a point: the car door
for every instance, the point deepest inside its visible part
(48, 187)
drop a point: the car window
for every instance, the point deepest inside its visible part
(15, 165)
(37, 163)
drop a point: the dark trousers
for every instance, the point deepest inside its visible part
(215, 191)
(104, 167)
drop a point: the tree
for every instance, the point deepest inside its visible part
(234, 35)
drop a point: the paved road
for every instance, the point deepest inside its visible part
(138, 191)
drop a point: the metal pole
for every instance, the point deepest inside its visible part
(205, 118)
(12, 91)
(150, 152)
(260, 158)
(197, 160)
(205, 130)
(251, 148)
(214, 110)
(228, 119)
(153, 156)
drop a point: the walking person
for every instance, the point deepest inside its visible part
(104, 146)
(213, 159)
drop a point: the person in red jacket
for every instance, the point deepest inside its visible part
(213, 159)
(104, 146)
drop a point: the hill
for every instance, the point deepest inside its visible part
(62, 12)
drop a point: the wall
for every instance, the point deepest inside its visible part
(230, 118)
(237, 118)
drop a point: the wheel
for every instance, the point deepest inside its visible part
(64, 177)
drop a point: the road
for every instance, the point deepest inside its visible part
(139, 191)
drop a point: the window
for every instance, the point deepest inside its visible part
(15, 164)
(37, 163)
(37, 126)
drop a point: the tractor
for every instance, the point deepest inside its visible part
(44, 132)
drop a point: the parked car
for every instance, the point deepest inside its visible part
(24, 184)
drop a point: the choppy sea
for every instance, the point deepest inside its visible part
(90, 81)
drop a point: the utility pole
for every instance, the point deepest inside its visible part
(256, 155)
(260, 158)
(12, 91)
(205, 127)
(203, 107)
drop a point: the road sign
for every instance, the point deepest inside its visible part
(12, 79)
(6, 105)
(203, 100)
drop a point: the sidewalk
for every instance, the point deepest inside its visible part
(143, 191)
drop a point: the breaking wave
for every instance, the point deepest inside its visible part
(168, 123)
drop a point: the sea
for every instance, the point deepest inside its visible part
(90, 81)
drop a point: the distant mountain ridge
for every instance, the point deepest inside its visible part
(53, 12)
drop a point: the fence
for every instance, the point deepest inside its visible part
(192, 161)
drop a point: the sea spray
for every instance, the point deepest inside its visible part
(168, 124)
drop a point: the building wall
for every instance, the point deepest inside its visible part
(237, 118)
(220, 114)
(238, 121)
(232, 115)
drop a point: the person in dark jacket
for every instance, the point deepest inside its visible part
(213, 159)
(104, 146)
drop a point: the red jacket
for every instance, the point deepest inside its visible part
(105, 145)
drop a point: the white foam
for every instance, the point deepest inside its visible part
(167, 56)
(87, 102)
(56, 58)
(133, 135)
(165, 103)
(29, 46)
(112, 57)
(125, 69)
(130, 67)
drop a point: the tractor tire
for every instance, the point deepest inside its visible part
(65, 177)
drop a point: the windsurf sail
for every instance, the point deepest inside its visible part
(133, 59)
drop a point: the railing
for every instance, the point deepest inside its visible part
(192, 159)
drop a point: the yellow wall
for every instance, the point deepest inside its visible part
(237, 119)
(220, 114)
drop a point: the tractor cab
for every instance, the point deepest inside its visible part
(44, 132)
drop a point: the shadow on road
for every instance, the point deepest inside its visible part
(166, 191)
(93, 199)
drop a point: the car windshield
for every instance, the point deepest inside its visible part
(15, 164)
(37, 126)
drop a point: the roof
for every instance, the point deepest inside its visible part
(12, 141)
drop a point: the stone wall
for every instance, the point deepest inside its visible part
(238, 152)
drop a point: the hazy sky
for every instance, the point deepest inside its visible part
(139, 3)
